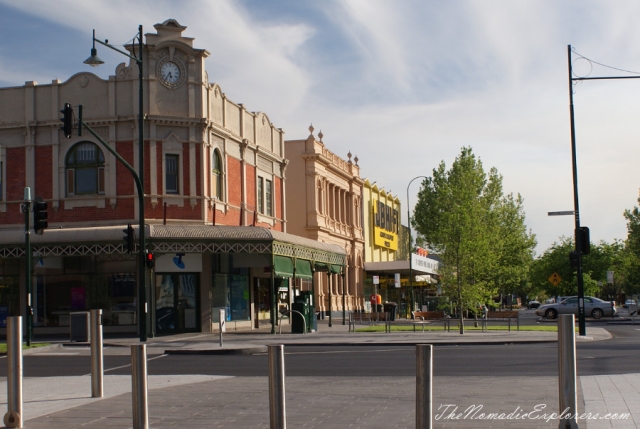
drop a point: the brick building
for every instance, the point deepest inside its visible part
(214, 199)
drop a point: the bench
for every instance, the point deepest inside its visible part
(501, 316)
(368, 317)
(426, 317)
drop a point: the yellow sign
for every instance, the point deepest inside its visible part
(385, 226)
(555, 279)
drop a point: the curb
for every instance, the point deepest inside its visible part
(238, 351)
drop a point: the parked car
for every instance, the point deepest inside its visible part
(628, 302)
(533, 304)
(593, 307)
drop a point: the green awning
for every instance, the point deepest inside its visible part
(282, 266)
(321, 266)
(303, 269)
(336, 269)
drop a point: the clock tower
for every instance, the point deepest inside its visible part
(175, 71)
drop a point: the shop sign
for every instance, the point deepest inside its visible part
(385, 225)
(179, 263)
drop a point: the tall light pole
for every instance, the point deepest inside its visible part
(579, 236)
(95, 61)
(410, 246)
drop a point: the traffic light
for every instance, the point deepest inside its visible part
(585, 242)
(128, 239)
(150, 259)
(67, 120)
(40, 222)
(573, 259)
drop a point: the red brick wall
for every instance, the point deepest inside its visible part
(126, 191)
(252, 203)
(234, 184)
(43, 170)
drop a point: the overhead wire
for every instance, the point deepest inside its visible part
(604, 65)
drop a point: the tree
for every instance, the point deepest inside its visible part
(515, 247)
(478, 233)
(555, 260)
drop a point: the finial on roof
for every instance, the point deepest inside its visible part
(356, 159)
(311, 130)
(349, 156)
(320, 135)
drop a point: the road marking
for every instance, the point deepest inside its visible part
(340, 351)
(128, 365)
(56, 354)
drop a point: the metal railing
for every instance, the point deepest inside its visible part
(304, 320)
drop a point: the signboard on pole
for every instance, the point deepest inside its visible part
(564, 213)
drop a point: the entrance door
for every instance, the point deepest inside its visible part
(262, 286)
(177, 303)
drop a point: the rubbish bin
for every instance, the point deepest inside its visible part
(391, 308)
(299, 317)
(79, 327)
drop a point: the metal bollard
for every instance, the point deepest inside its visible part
(139, 386)
(567, 371)
(97, 359)
(277, 407)
(13, 417)
(221, 320)
(424, 386)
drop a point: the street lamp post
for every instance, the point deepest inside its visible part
(578, 235)
(410, 246)
(95, 61)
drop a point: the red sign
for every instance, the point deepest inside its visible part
(422, 252)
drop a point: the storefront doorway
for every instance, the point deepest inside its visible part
(177, 303)
(262, 289)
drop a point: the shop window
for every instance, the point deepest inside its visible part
(85, 170)
(231, 292)
(177, 302)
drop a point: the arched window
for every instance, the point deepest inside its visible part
(85, 170)
(216, 175)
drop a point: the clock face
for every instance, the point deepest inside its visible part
(170, 72)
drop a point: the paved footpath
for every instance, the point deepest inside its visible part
(199, 401)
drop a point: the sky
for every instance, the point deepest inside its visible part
(402, 85)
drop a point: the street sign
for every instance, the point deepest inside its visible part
(565, 213)
(555, 279)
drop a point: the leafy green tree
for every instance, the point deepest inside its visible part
(555, 260)
(515, 246)
(478, 232)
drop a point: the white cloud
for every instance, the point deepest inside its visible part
(405, 84)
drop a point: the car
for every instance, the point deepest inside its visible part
(628, 302)
(533, 304)
(593, 307)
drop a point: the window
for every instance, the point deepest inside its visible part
(260, 195)
(269, 197)
(85, 170)
(265, 196)
(171, 174)
(216, 175)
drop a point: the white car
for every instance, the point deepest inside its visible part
(593, 307)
